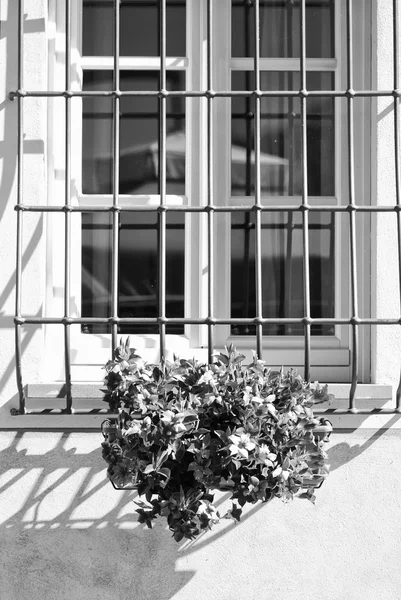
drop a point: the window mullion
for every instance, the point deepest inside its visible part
(284, 64)
(134, 63)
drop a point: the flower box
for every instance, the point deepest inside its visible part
(185, 429)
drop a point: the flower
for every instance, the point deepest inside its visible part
(173, 422)
(241, 444)
(208, 513)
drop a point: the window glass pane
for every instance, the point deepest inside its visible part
(280, 28)
(282, 270)
(139, 131)
(281, 136)
(138, 269)
(139, 28)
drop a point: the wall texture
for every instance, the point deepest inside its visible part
(68, 535)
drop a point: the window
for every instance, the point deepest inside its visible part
(207, 180)
(207, 146)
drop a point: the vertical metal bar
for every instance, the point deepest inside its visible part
(67, 213)
(258, 205)
(286, 305)
(162, 181)
(20, 135)
(397, 158)
(351, 206)
(210, 213)
(305, 206)
(247, 250)
(116, 173)
(248, 173)
(290, 215)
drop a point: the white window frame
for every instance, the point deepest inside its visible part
(330, 356)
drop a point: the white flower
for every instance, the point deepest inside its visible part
(241, 444)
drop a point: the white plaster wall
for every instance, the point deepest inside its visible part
(68, 535)
(386, 351)
(34, 190)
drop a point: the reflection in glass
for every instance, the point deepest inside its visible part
(280, 28)
(138, 269)
(139, 28)
(282, 270)
(139, 133)
(281, 136)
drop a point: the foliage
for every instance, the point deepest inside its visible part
(186, 428)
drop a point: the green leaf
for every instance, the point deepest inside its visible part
(236, 512)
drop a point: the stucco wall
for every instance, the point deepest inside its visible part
(386, 348)
(34, 191)
(68, 535)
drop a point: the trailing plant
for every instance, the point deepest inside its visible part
(187, 428)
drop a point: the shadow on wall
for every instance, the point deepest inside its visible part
(63, 525)
(8, 157)
(343, 453)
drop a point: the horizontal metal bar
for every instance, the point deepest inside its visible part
(206, 94)
(206, 321)
(103, 411)
(210, 208)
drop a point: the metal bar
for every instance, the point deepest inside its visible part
(67, 213)
(217, 94)
(210, 213)
(248, 226)
(258, 204)
(189, 320)
(94, 411)
(352, 216)
(290, 217)
(396, 66)
(162, 182)
(199, 209)
(18, 270)
(305, 206)
(116, 176)
(248, 173)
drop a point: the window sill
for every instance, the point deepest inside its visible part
(46, 401)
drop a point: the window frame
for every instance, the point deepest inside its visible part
(329, 354)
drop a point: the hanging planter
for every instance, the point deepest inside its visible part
(185, 429)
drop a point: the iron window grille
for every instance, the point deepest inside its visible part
(21, 94)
